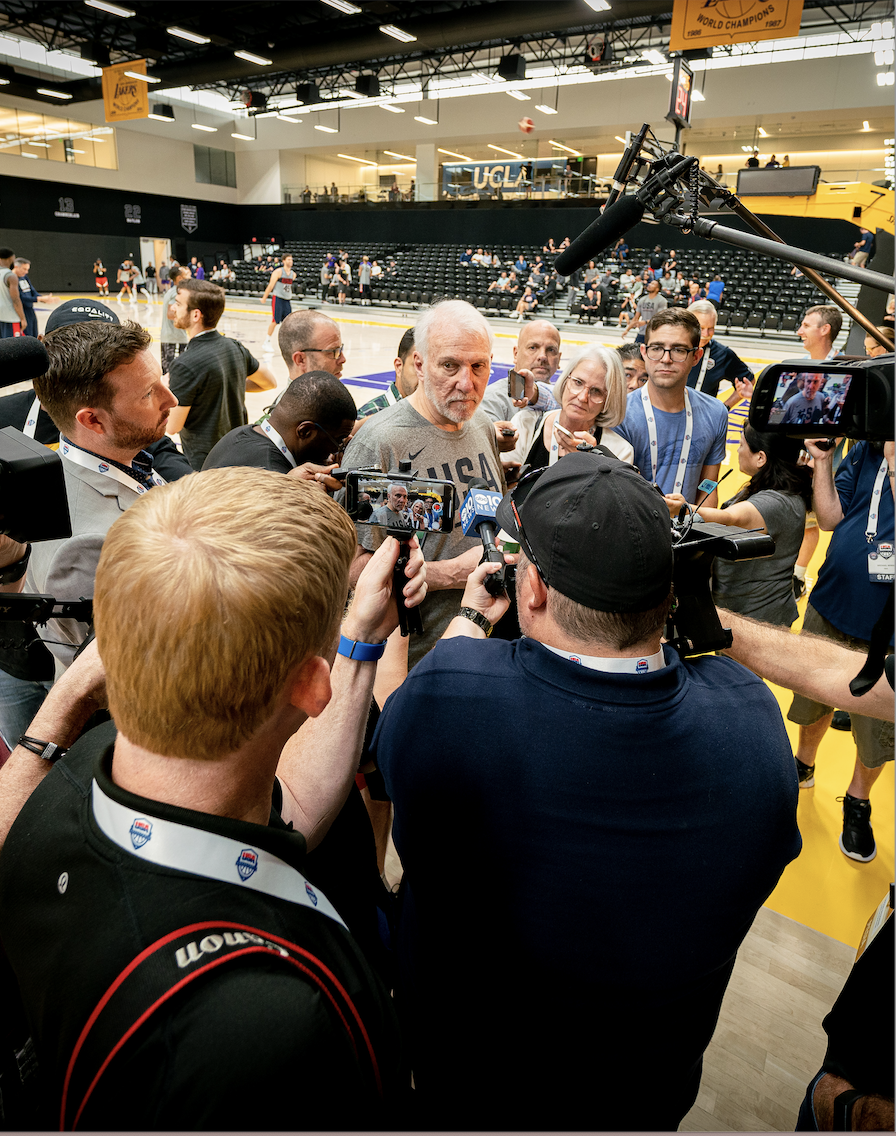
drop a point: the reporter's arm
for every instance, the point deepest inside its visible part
(319, 762)
(711, 473)
(67, 708)
(478, 599)
(177, 419)
(825, 499)
(812, 666)
(260, 380)
(12, 552)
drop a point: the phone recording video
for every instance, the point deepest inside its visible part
(516, 384)
(416, 504)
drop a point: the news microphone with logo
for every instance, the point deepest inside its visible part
(477, 517)
(21, 358)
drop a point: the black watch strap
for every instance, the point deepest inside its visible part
(478, 618)
(842, 1119)
(49, 751)
(12, 573)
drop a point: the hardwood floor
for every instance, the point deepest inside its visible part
(769, 1042)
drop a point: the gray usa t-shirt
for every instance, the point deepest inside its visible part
(400, 433)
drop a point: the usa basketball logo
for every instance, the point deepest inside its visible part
(247, 863)
(309, 891)
(141, 831)
(103, 467)
(575, 659)
(641, 666)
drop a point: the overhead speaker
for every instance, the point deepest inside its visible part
(254, 100)
(512, 67)
(368, 86)
(308, 93)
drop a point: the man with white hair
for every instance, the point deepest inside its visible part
(718, 361)
(440, 430)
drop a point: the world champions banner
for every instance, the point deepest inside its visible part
(124, 97)
(716, 23)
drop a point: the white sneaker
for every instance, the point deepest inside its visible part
(267, 348)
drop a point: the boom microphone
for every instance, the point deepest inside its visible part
(21, 358)
(613, 223)
(477, 515)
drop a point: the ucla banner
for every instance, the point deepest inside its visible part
(711, 23)
(507, 176)
(123, 96)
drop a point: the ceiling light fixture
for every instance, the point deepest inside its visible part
(865, 126)
(362, 161)
(425, 121)
(343, 6)
(394, 109)
(501, 150)
(286, 117)
(763, 133)
(141, 76)
(162, 112)
(622, 140)
(698, 97)
(397, 33)
(245, 137)
(885, 78)
(544, 108)
(392, 154)
(252, 58)
(519, 96)
(202, 126)
(46, 145)
(4, 82)
(25, 154)
(53, 94)
(451, 154)
(326, 129)
(568, 149)
(191, 37)
(113, 9)
(598, 5)
(654, 56)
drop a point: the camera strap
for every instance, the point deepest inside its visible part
(650, 415)
(874, 506)
(30, 427)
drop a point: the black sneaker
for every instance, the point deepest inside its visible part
(806, 774)
(841, 720)
(857, 839)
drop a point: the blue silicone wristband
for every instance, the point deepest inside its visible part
(361, 652)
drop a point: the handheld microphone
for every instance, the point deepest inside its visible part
(21, 358)
(477, 515)
(613, 223)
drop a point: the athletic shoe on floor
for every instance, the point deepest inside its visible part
(857, 839)
(806, 774)
(841, 720)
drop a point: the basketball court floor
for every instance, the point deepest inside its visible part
(769, 1041)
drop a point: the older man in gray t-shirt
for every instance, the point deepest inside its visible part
(441, 432)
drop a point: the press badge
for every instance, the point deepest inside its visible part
(880, 562)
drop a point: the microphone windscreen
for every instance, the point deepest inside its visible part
(21, 358)
(612, 224)
(480, 504)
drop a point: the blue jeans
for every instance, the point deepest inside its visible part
(20, 700)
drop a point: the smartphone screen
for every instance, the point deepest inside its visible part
(417, 504)
(516, 384)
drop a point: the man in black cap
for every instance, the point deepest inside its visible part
(619, 846)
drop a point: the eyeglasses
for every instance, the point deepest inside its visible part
(335, 352)
(338, 447)
(595, 394)
(656, 351)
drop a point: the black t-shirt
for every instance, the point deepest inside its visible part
(246, 446)
(210, 377)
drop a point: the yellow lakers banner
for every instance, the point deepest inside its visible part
(123, 96)
(712, 23)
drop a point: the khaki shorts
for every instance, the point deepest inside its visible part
(873, 737)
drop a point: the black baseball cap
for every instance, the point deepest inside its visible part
(76, 311)
(596, 530)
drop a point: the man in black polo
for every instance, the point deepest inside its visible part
(303, 433)
(212, 376)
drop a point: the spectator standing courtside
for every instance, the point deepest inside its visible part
(28, 295)
(12, 313)
(213, 374)
(172, 340)
(280, 283)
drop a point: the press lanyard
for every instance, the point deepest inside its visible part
(654, 445)
(554, 452)
(31, 423)
(278, 442)
(207, 854)
(699, 384)
(642, 665)
(874, 508)
(89, 461)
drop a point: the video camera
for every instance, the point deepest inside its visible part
(849, 399)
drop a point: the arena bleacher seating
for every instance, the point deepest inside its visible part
(762, 296)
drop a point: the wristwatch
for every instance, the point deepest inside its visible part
(478, 618)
